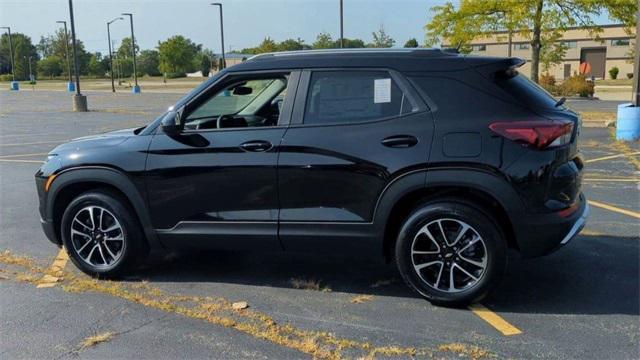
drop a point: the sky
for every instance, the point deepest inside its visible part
(246, 22)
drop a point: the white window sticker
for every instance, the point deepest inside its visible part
(382, 91)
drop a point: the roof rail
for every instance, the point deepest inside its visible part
(348, 51)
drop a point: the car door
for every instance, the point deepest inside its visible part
(214, 185)
(352, 133)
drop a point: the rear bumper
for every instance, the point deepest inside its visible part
(539, 235)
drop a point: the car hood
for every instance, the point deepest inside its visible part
(109, 139)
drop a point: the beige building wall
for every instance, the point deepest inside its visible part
(613, 40)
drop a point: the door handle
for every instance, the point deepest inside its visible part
(256, 146)
(400, 141)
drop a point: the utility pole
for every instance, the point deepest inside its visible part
(224, 61)
(70, 84)
(341, 25)
(31, 77)
(14, 84)
(79, 100)
(136, 88)
(113, 86)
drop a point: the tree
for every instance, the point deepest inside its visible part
(207, 58)
(96, 66)
(149, 62)
(292, 45)
(124, 50)
(177, 54)
(411, 43)
(381, 39)
(22, 50)
(51, 66)
(324, 41)
(350, 43)
(56, 45)
(266, 46)
(540, 21)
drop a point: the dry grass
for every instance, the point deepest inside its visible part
(359, 299)
(96, 339)
(219, 311)
(309, 284)
(598, 116)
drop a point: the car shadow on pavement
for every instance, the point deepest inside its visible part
(592, 275)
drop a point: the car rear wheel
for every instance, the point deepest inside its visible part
(101, 234)
(451, 252)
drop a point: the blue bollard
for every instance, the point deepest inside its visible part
(15, 86)
(136, 89)
(628, 126)
(71, 86)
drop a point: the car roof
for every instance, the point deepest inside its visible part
(403, 59)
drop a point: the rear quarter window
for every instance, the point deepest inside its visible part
(526, 91)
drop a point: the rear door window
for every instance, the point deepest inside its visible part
(353, 96)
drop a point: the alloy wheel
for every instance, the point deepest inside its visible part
(449, 255)
(97, 236)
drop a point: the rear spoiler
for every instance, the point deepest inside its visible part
(496, 67)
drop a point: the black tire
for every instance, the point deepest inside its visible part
(451, 211)
(133, 248)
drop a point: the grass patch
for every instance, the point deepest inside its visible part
(95, 340)
(598, 116)
(359, 299)
(309, 284)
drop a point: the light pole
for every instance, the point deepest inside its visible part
(79, 100)
(14, 84)
(224, 61)
(70, 85)
(341, 25)
(31, 77)
(136, 88)
(113, 86)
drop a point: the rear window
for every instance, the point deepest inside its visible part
(526, 91)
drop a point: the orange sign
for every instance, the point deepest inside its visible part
(585, 68)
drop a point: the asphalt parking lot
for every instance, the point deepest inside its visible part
(582, 302)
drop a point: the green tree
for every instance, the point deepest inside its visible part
(350, 43)
(177, 55)
(324, 41)
(22, 50)
(207, 58)
(51, 66)
(96, 66)
(381, 39)
(149, 62)
(124, 50)
(292, 45)
(541, 21)
(56, 45)
(411, 43)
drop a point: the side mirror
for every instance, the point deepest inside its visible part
(242, 90)
(170, 124)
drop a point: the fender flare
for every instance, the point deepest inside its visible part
(111, 177)
(481, 179)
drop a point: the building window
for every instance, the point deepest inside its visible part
(479, 47)
(521, 46)
(571, 44)
(620, 42)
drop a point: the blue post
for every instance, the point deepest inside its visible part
(136, 89)
(71, 86)
(628, 126)
(15, 85)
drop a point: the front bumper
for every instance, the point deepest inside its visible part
(542, 234)
(50, 231)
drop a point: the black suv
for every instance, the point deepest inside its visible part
(438, 161)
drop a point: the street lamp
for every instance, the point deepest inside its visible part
(79, 100)
(14, 84)
(70, 85)
(136, 88)
(31, 77)
(113, 86)
(341, 26)
(224, 61)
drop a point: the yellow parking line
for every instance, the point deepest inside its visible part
(494, 320)
(611, 180)
(615, 209)
(22, 161)
(22, 155)
(55, 271)
(611, 157)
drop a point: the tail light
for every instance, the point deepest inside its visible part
(538, 134)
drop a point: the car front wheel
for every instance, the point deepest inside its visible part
(451, 252)
(101, 234)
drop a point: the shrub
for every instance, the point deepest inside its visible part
(613, 72)
(176, 75)
(6, 77)
(548, 82)
(629, 75)
(576, 85)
